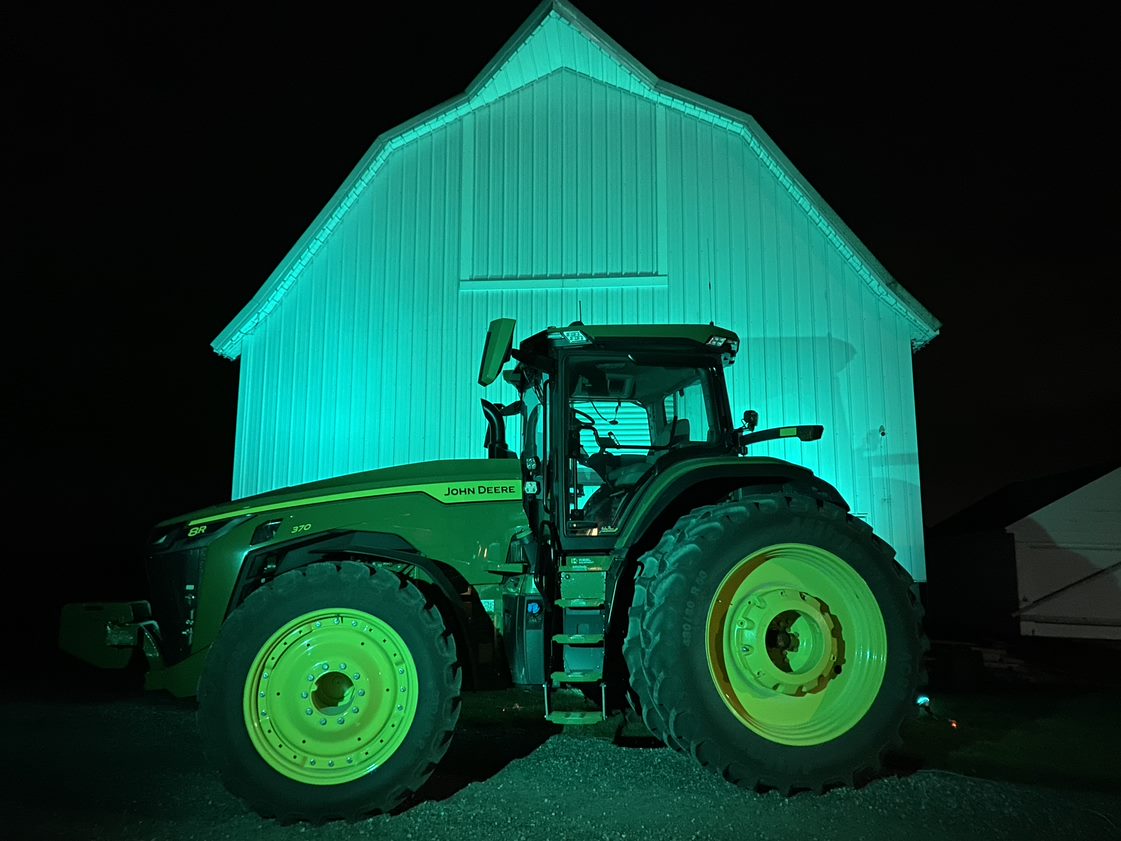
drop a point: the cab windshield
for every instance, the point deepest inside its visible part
(624, 416)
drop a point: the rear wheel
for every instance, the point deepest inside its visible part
(331, 692)
(776, 640)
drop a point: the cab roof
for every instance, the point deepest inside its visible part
(700, 337)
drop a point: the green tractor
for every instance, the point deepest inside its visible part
(625, 545)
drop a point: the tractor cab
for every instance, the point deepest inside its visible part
(603, 410)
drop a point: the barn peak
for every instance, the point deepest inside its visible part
(556, 36)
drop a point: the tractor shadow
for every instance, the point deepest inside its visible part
(498, 727)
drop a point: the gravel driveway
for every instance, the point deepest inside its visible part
(130, 767)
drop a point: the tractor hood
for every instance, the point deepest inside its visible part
(447, 481)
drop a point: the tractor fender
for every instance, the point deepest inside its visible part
(371, 548)
(707, 479)
(691, 483)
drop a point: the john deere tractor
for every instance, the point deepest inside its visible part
(620, 542)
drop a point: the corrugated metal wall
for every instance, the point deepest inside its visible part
(570, 197)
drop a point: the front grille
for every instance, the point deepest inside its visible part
(169, 573)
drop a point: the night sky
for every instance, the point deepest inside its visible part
(161, 162)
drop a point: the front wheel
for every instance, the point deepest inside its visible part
(777, 641)
(332, 692)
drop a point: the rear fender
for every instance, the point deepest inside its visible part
(700, 481)
(691, 484)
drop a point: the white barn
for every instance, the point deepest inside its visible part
(569, 181)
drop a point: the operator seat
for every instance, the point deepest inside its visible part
(674, 434)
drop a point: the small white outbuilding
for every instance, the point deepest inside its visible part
(1068, 564)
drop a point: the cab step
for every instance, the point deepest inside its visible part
(507, 569)
(587, 676)
(580, 603)
(578, 639)
(576, 717)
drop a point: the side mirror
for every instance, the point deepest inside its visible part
(496, 351)
(750, 420)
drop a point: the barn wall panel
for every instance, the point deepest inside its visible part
(818, 346)
(570, 198)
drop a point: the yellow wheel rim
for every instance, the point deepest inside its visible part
(796, 644)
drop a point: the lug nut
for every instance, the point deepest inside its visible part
(341, 720)
(307, 711)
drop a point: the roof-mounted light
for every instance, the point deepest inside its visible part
(571, 337)
(718, 341)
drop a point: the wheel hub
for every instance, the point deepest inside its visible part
(784, 641)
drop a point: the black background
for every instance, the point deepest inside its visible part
(162, 160)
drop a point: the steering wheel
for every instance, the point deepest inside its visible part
(581, 416)
(585, 421)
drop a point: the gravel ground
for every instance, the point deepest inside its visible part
(130, 767)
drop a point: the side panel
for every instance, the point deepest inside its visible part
(466, 536)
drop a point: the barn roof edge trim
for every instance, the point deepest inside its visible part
(925, 326)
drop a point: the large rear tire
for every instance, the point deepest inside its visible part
(332, 692)
(775, 640)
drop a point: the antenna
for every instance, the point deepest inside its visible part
(711, 300)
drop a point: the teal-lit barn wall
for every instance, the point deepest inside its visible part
(566, 182)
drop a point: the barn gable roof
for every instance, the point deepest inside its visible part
(557, 36)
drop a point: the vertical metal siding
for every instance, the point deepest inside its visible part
(561, 184)
(571, 197)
